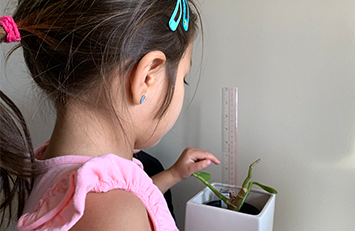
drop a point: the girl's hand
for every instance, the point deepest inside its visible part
(191, 161)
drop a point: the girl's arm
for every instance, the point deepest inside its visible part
(191, 161)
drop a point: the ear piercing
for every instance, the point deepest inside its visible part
(143, 98)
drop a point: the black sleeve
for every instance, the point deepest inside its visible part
(152, 166)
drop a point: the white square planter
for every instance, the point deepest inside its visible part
(201, 217)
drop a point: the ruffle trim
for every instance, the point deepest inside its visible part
(63, 205)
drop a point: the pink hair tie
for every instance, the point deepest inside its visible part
(10, 27)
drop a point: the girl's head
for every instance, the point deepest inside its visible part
(75, 48)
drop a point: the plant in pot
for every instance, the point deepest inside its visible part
(247, 210)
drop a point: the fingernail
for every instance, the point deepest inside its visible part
(208, 162)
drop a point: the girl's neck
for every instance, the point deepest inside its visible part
(82, 132)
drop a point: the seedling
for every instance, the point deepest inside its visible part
(235, 202)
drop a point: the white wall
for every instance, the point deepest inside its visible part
(294, 65)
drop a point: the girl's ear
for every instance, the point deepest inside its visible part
(143, 79)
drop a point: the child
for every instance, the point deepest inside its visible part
(115, 70)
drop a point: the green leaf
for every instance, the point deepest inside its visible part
(266, 188)
(204, 175)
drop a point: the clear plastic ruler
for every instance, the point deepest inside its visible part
(229, 135)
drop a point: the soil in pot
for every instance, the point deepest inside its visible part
(247, 208)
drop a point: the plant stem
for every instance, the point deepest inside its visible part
(218, 194)
(247, 191)
(250, 173)
(244, 192)
(215, 191)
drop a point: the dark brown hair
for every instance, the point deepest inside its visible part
(72, 47)
(17, 165)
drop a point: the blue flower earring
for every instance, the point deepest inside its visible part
(143, 98)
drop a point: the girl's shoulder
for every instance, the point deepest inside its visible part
(114, 210)
(63, 205)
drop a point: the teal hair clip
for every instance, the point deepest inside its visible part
(183, 8)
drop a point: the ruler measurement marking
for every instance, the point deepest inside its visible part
(229, 136)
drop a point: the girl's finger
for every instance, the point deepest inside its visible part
(202, 155)
(198, 166)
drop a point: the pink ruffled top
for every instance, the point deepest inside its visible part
(57, 200)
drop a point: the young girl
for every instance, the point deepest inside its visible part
(115, 70)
